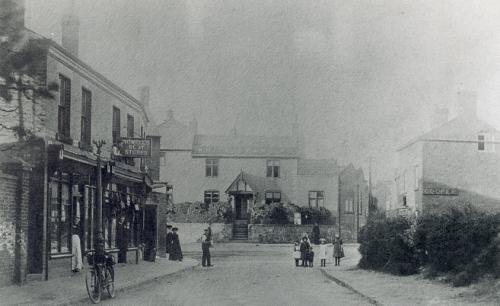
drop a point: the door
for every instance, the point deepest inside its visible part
(240, 206)
(150, 233)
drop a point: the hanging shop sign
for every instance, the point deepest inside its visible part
(134, 147)
(441, 191)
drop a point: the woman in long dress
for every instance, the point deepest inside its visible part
(338, 251)
(176, 252)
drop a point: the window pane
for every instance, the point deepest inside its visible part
(65, 218)
(320, 202)
(276, 171)
(277, 196)
(269, 172)
(215, 170)
(215, 197)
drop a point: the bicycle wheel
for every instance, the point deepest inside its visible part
(110, 279)
(93, 285)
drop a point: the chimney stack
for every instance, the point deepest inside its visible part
(70, 29)
(440, 117)
(467, 103)
(144, 93)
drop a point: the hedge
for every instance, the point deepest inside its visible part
(462, 243)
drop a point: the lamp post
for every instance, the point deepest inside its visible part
(99, 242)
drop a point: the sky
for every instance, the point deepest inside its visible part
(363, 77)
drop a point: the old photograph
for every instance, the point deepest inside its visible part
(250, 152)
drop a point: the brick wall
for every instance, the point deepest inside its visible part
(13, 254)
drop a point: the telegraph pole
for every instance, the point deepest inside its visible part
(99, 242)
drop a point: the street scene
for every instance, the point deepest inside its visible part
(195, 152)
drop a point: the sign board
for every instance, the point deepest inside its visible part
(441, 191)
(134, 147)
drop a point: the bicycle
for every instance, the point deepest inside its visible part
(100, 275)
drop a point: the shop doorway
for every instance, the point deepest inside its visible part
(150, 226)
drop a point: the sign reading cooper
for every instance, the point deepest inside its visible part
(441, 191)
(135, 147)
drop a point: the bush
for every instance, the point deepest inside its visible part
(274, 213)
(387, 245)
(199, 212)
(460, 241)
(320, 215)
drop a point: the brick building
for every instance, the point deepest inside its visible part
(62, 186)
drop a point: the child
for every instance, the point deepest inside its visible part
(296, 253)
(311, 257)
(304, 251)
(322, 252)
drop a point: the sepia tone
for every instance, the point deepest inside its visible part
(193, 152)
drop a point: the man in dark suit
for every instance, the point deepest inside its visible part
(206, 243)
(168, 240)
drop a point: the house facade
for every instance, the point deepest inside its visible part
(458, 162)
(64, 163)
(245, 170)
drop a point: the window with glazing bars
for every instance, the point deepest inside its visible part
(86, 127)
(64, 108)
(273, 168)
(116, 125)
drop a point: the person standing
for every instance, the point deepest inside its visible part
(315, 234)
(206, 243)
(338, 250)
(76, 260)
(296, 253)
(310, 257)
(322, 252)
(176, 252)
(304, 251)
(168, 240)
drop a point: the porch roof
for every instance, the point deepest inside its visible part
(248, 183)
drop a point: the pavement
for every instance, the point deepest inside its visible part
(249, 274)
(71, 290)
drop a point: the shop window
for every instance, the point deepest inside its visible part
(60, 216)
(211, 196)
(86, 119)
(64, 108)
(349, 206)
(211, 167)
(360, 204)
(273, 197)
(273, 168)
(316, 198)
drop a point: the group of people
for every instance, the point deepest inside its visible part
(303, 253)
(173, 245)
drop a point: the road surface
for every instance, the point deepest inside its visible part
(243, 274)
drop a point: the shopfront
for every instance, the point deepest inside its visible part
(71, 207)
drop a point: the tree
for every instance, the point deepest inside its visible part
(23, 83)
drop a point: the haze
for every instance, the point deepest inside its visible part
(363, 76)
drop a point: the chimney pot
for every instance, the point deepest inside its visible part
(70, 29)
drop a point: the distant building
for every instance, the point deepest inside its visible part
(245, 170)
(456, 162)
(353, 208)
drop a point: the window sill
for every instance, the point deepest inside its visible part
(64, 139)
(61, 255)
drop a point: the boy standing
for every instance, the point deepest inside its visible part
(206, 243)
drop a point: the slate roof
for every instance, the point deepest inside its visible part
(321, 167)
(461, 128)
(245, 146)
